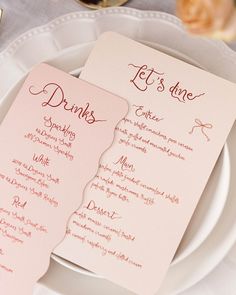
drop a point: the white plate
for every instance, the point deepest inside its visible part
(211, 203)
(153, 27)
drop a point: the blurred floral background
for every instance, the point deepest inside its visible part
(211, 18)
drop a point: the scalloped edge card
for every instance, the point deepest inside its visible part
(51, 142)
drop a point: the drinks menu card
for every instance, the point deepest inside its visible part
(136, 209)
(51, 142)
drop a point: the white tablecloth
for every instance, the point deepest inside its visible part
(21, 15)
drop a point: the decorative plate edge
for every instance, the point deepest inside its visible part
(12, 48)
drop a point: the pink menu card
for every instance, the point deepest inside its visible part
(149, 182)
(51, 141)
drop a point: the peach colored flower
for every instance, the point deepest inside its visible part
(216, 18)
(228, 33)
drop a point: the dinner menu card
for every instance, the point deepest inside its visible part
(51, 141)
(136, 209)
